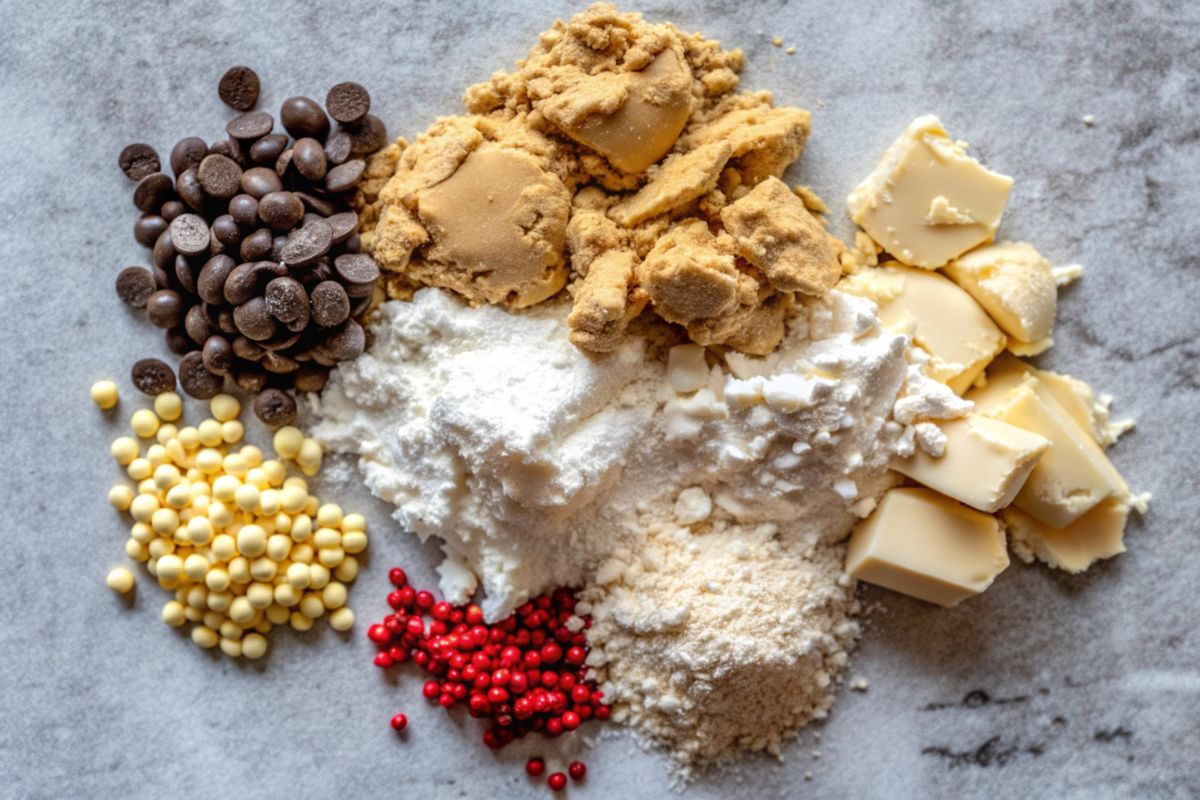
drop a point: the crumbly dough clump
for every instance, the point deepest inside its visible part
(618, 161)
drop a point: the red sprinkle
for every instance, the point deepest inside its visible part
(577, 770)
(399, 722)
(557, 781)
(397, 576)
(535, 767)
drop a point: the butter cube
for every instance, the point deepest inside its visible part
(1015, 285)
(1070, 478)
(928, 201)
(1098, 534)
(985, 464)
(944, 320)
(922, 544)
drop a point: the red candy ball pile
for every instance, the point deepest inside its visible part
(523, 674)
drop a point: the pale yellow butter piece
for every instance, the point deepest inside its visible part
(928, 201)
(946, 322)
(1015, 286)
(1070, 478)
(1098, 534)
(922, 544)
(985, 464)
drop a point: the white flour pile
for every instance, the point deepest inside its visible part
(702, 511)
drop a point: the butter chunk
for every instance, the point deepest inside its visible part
(681, 179)
(1074, 475)
(1097, 535)
(1014, 284)
(928, 201)
(774, 231)
(922, 544)
(985, 463)
(947, 323)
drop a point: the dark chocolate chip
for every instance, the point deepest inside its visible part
(280, 210)
(266, 151)
(185, 274)
(250, 126)
(196, 379)
(152, 191)
(368, 136)
(187, 153)
(178, 342)
(301, 321)
(311, 378)
(345, 177)
(343, 225)
(239, 88)
(152, 376)
(277, 363)
(188, 186)
(161, 279)
(307, 244)
(302, 117)
(244, 210)
(163, 253)
(358, 272)
(348, 103)
(283, 165)
(210, 284)
(254, 321)
(225, 321)
(286, 299)
(337, 147)
(247, 349)
(190, 234)
(138, 160)
(260, 181)
(249, 377)
(347, 342)
(309, 158)
(275, 408)
(330, 304)
(135, 285)
(165, 308)
(226, 231)
(277, 245)
(217, 354)
(147, 229)
(220, 176)
(241, 283)
(317, 205)
(256, 245)
(352, 244)
(171, 209)
(230, 148)
(198, 324)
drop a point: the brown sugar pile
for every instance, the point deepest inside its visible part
(619, 162)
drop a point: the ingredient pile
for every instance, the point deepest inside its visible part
(585, 336)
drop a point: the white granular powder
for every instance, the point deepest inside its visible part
(701, 507)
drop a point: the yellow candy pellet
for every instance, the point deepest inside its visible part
(143, 507)
(239, 570)
(168, 406)
(354, 522)
(354, 541)
(331, 557)
(193, 614)
(246, 497)
(235, 464)
(144, 423)
(209, 432)
(334, 595)
(302, 554)
(195, 566)
(189, 437)
(299, 576)
(240, 611)
(326, 538)
(292, 499)
(253, 456)
(329, 515)
(311, 606)
(156, 454)
(288, 441)
(277, 614)
(232, 431)
(318, 576)
(124, 450)
(225, 407)
(169, 567)
(286, 595)
(263, 569)
(342, 619)
(217, 579)
(225, 488)
(166, 433)
(141, 532)
(199, 530)
(347, 570)
(279, 546)
(104, 394)
(172, 614)
(120, 497)
(231, 647)
(166, 476)
(213, 619)
(268, 503)
(120, 580)
(148, 486)
(301, 528)
(219, 601)
(257, 477)
(204, 636)
(179, 496)
(310, 455)
(298, 482)
(301, 621)
(164, 521)
(209, 460)
(276, 472)
(160, 547)
(136, 550)
(260, 595)
(254, 646)
(139, 469)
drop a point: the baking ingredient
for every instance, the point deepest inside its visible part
(243, 546)
(138, 161)
(244, 244)
(925, 545)
(942, 318)
(1097, 535)
(1015, 285)
(399, 722)
(534, 767)
(523, 674)
(577, 770)
(152, 376)
(557, 781)
(1073, 475)
(120, 580)
(984, 464)
(105, 395)
(928, 201)
(618, 143)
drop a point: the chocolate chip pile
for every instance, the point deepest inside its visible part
(255, 270)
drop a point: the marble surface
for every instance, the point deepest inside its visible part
(1048, 685)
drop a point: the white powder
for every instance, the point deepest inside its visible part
(702, 511)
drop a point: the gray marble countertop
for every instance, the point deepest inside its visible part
(1046, 686)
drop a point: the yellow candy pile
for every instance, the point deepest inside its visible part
(243, 546)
